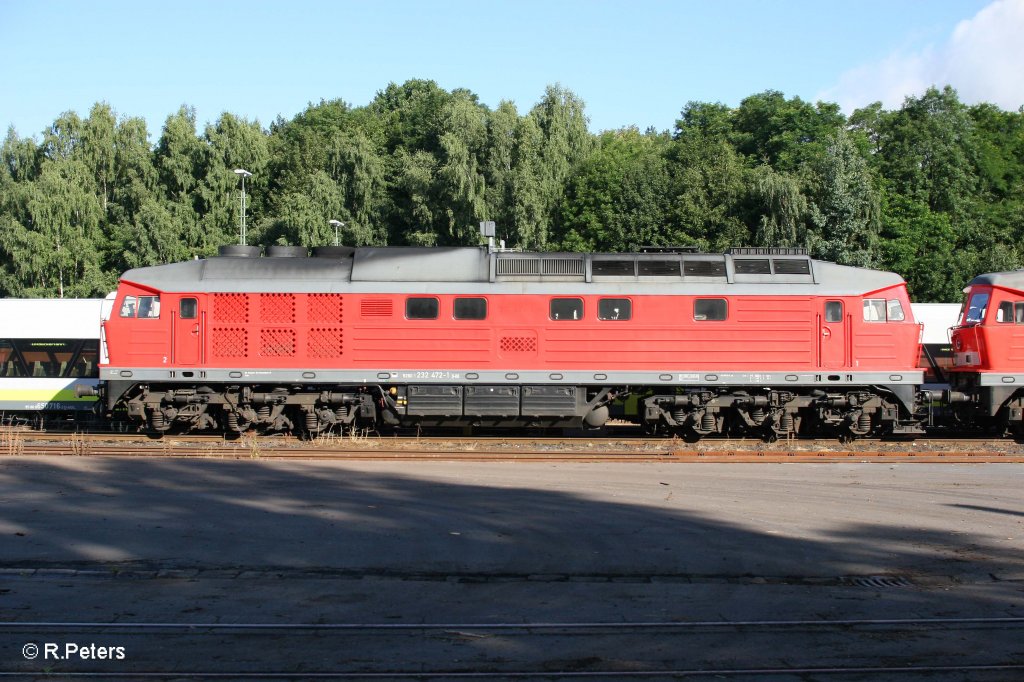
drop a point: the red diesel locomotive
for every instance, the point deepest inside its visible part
(987, 376)
(764, 342)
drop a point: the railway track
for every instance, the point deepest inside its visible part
(913, 648)
(505, 449)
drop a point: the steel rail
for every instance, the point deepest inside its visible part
(595, 455)
(606, 625)
(540, 674)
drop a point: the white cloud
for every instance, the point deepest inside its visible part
(983, 60)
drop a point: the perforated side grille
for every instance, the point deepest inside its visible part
(229, 342)
(277, 308)
(232, 308)
(325, 308)
(325, 343)
(277, 343)
(518, 344)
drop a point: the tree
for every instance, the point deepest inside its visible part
(781, 208)
(844, 205)
(784, 134)
(618, 199)
(928, 150)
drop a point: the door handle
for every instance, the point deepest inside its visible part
(826, 332)
(195, 330)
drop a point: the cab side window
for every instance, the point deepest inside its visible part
(129, 306)
(1010, 312)
(147, 307)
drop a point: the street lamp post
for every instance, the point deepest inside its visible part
(242, 173)
(336, 224)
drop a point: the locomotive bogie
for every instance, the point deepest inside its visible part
(773, 414)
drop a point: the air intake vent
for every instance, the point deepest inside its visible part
(792, 266)
(518, 266)
(753, 266)
(659, 268)
(562, 266)
(767, 251)
(704, 268)
(375, 307)
(614, 268)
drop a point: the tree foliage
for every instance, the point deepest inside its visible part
(933, 189)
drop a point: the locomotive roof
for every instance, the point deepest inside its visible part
(1013, 279)
(467, 269)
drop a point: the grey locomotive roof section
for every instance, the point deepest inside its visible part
(1014, 279)
(419, 264)
(468, 270)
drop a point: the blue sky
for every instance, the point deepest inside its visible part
(635, 62)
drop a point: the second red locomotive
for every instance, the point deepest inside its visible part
(763, 342)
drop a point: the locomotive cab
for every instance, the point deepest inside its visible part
(987, 377)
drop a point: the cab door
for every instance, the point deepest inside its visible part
(188, 331)
(832, 334)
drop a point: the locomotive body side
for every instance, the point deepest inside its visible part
(467, 336)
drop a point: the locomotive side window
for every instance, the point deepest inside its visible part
(874, 310)
(833, 311)
(1019, 312)
(894, 311)
(421, 308)
(566, 309)
(614, 309)
(189, 309)
(470, 309)
(710, 309)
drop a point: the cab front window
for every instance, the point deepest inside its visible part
(976, 308)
